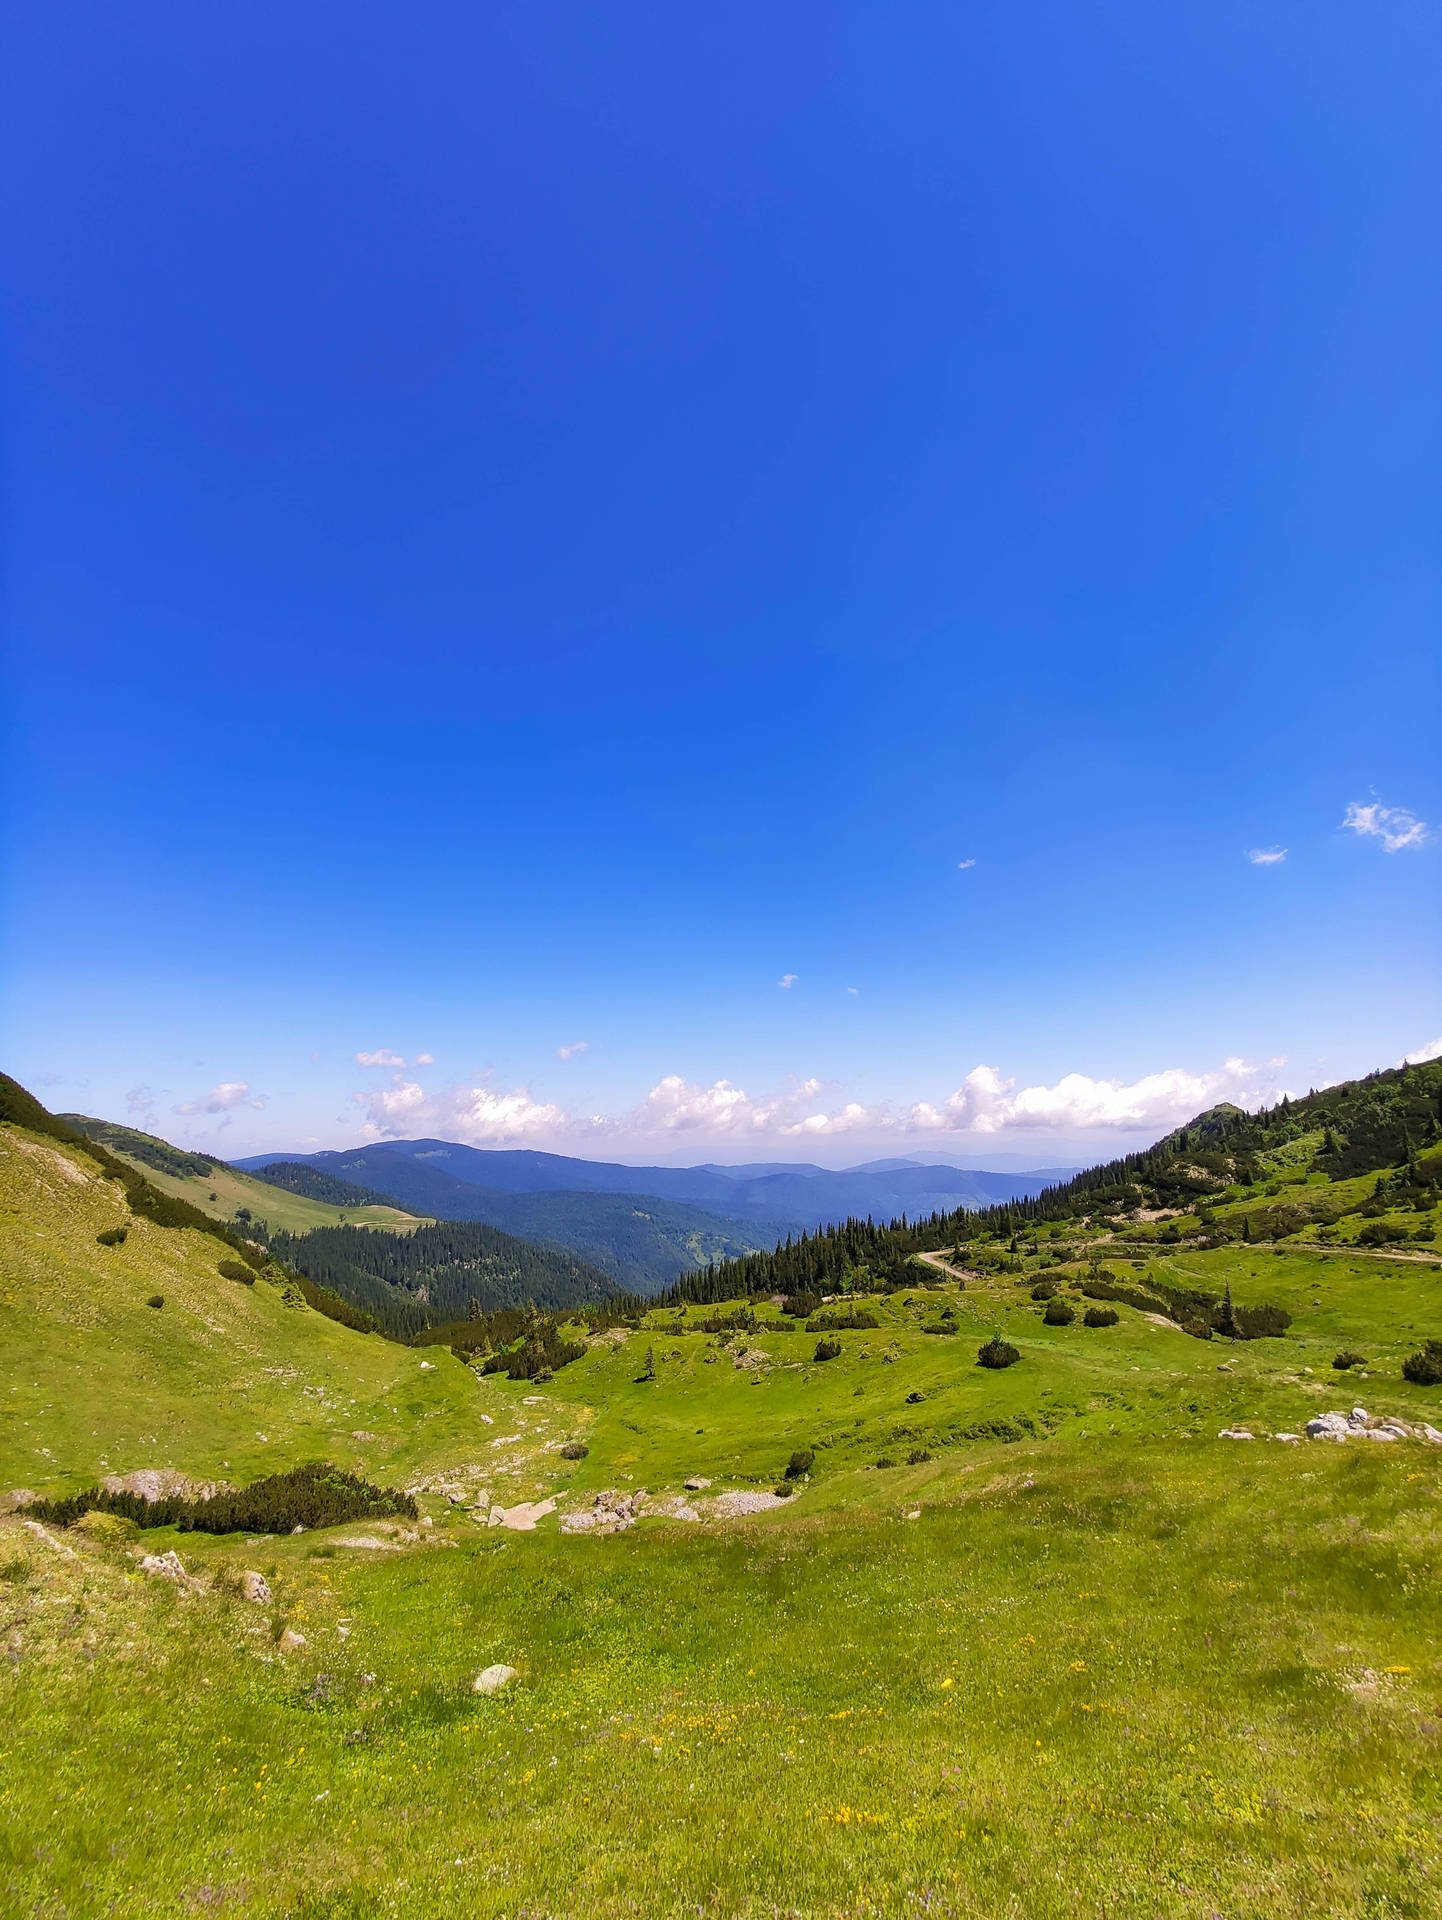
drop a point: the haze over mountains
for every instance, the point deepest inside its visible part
(648, 1225)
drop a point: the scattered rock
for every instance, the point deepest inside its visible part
(41, 1533)
(1235, 1433)
(523, 1517)
(1328, 1426)
(291, 1641)
(1290, 1438)
(428, 1366)
(696, 1484)
(17, 1497)
(750, 1358)
(729, 1505)
(492, 1679)
(533, 1400)
(254, 1586)
(368, 1540)
(167, 1566)
(161, 1483)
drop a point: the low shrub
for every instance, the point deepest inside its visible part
(782, 1491)
(236, 1270)
(997, 1353)
(112, 1236)
(832, 1320)
(1059, 1314)
(1348, 1358)
(1100, 1317)
(915, 1399)
(827, 1350)
(883, 1463)
(318, 1495)
(1198, 1329)
(1044, 1290)
(156, 1300)
(800, 1463)
(917, 1457)
(574, 1450)
(105, 1529)
(1424, 1368)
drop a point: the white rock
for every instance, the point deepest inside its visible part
(1289, 1437)
(492, 1679)
(729, 1505)
(428, 1366)
(167, 1566)
(1430, 1435)
(696, 1484)
(1381, 1433)
(1235, 1433)
(291, 1641)
(1328, 1426)
(254, 1586)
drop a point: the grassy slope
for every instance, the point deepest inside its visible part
(274, 1205)
(1168, 1655)
(101, 1382)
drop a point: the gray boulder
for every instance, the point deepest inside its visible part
(492, 1679)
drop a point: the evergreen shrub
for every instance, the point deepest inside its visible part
(1424, 1368)
(236, 1270)
(319, 1495)
(997, 1353)
(1059, 1314)
(1100, 1317)
(112, 1236)
(827, 1349)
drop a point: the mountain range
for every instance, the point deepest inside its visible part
(646, 1225)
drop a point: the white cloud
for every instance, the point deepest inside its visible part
(1432, 1051)
(139, 1100)
(985, 1102)
(382, 1057)
(425, 1060)
(222, 1099)
(478, 1116)
(1266, 856)
(1395, 827)
(962, 865)
(855, 990)
(788, 980)
(675, 1105)
(576, 1046)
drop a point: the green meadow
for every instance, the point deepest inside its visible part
(1068, 1653)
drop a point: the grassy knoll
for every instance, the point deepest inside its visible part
(1132, 1678)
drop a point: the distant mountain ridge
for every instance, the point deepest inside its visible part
(770, 1198)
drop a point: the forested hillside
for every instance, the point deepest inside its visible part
(1357, 1163)
(410, 1282)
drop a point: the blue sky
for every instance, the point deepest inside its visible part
(533, 525)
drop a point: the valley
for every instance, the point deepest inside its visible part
(794, 1592)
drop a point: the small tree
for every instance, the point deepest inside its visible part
(1348, 1357)
(997, 1353)
(1227, 1323)
(1059, 1313)
(800, 1463)
(827, 1350)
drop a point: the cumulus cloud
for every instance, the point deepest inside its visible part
(382, 1057)
(856, 990)
(788, 980)
(676, 1105)
(1266, 856)
(425, 1060)
(1395, 827)
(576, 1046)
(1432, 1051)
(962, 865)
(222, 1099)
(478, 1116)
(986, 1102)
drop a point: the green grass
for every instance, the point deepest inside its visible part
(1116, 1667)
(1073, 1683)
(224, 1381)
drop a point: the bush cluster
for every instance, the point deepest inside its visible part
(236, 1270)
(997, 1353)
(319, 1495)
(1348, 1357)
(1059, 1313)
(113, 1236)
(1424, 1368)
(574, 1450)
(800, 1463)
(827, 1350)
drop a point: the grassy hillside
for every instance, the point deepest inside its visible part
(222, 1191)
(223, 1381)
